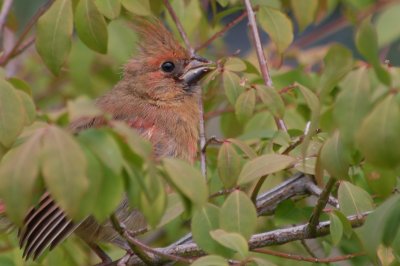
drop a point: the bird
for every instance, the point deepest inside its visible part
(157, 96)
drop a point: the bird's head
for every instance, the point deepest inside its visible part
(163, 70)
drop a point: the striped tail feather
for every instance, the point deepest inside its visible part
(44, 227)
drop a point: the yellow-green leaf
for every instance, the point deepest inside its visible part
(271, 98)
(229, 165)
(353, 200)
(138, 7)
(231, 83)
(238, 214)
(53, 34)
(233, 241)
(91, 26)
(245, 104)
(304, 11)
(109, 8)
(278, 26)
(12, 114)
(333, 157)
(187, 180)
(378, 137)
(234, 64)
(264, 165)
(64, 169)
(210, 260)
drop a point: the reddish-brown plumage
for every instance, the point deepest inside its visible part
(160, 103)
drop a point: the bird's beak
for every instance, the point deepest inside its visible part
(197, 68)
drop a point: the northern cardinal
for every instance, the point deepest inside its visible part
(158, 96)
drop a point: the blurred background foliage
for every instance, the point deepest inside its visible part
(334, 67)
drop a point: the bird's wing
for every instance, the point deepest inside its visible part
(47, 225)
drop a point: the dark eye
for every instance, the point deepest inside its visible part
(168, 67)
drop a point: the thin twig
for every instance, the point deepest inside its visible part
(212, 140)
(316, 191)
(134, 247)
(318, 209)
(307, 248)
(309, 259)
(8, 56)
(222, 192)
(215, 113)
(178, 25)
(5, 9)
(261, 57)
(222, 31)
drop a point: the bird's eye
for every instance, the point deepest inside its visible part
(168, 67)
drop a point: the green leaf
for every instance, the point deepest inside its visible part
(271, 98)
(278, 26)
(106, 189)
(12, 115)
(245, 104)
(347, 228)
(238, 214)
(378, 137)
(352, 104)
(28, 107)
(187, 180)
(384, 25)
(104, 146)
(334, 157)
(353, 200)
(109, 8)
(210, 260)
(21, 85)
(233, 241)
(336, 228)
(53, 34)
(332, 74)
(304, 11)
(64, 169)
(264, 165)
(138, 7)
(173, 210)
(235, 64)
(229, 165)
(19, 170)
(381, 181)
(91, 26)
(204, 221)
(367, 45)
(246, 149)
(231, 83)
(373, 231)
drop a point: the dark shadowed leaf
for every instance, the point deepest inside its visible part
(187, 179)
(12, 115)
(19, 170)
(233, 241)
(334, 157)
(367, 44)
(238, 214)
(91, 26)
(229, 165)
(336, 56)
(378, 137)
(109, 8)
(204, 221)
(353, 200)
(210, 260)
(353, 104)
(245, 104)
(278, 26)
(264, 165)
(64, 169)
(53, 34)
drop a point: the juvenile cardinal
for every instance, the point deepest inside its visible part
(157, 96)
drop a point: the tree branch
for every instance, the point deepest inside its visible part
(16, 49)
(5, 9)
(322, 200)
(261, 57)
(302, 258)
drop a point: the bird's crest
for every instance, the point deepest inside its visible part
(154, 38)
